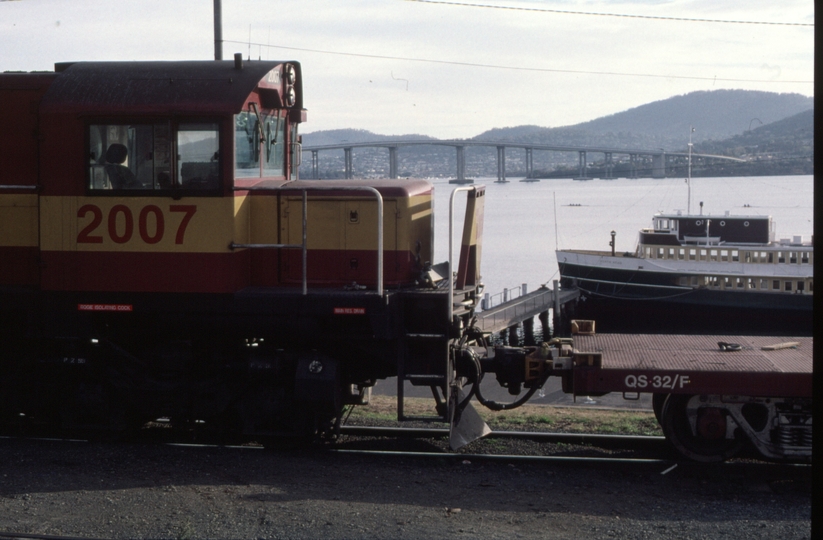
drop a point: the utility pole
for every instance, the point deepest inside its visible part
(689, 178)
(218, 30)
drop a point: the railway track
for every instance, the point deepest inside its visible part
(539, 436)
(398, 442)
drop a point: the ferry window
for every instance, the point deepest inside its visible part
(793, 257)
(671, 253)
(681, 254)
(692, 254)
(724, 255)
(703, 253)
(800, 286)
(727, 283)
(661, 252)
(738, 283)
(750, 284)
(713, 254)
(735, 255)
(804, 258)
(771, 258)
(683, 281)
(781, 258)
(649, 253)
(132, 156)
(776, 284)
(694, 281)
(788, 286)
(764, 284)
(747, 255)
(811, 285)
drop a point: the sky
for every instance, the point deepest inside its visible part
(450, 68)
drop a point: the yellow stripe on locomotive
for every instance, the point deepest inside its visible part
(18, 220)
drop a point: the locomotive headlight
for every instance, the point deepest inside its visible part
(316, 367)
(291, 75)
(291, 97)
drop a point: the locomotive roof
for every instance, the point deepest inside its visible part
(162, 87)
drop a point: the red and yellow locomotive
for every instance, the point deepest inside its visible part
(160, 258)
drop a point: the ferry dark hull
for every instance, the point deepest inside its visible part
(632, 301)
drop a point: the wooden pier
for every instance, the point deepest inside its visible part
(523, 308)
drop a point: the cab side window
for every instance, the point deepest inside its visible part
(153, 157)
(274, 142)
(247, 146)
(198, 152)
(259, 142)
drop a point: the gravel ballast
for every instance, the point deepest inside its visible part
(139, 490)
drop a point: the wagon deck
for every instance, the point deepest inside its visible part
(686, 364)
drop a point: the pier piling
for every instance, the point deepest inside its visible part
(528, 332)
(514, 340)
(544, 324)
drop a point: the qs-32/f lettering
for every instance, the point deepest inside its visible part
(656, 382)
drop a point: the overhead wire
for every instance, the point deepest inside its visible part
(517, 68)
(622, 15)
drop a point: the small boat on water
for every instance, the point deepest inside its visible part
(701, 273)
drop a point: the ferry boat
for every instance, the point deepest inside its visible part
(704, 273)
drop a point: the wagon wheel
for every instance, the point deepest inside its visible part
(658, 400)
(706, 442)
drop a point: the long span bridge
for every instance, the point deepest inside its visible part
(659, 156)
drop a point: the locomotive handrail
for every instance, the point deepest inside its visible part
(451, 250)
(305, 226)
(9, 186)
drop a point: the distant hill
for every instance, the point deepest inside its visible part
(790, 136)
(782, 147)
(339, 136)
(714, 115)
(717, 114)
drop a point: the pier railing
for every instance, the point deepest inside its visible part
(506, 295)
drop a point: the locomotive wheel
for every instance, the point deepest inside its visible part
(707, 443)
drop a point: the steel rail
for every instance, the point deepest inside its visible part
(508, 457)
(756, 463)
(33, 536)
(579, 438)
